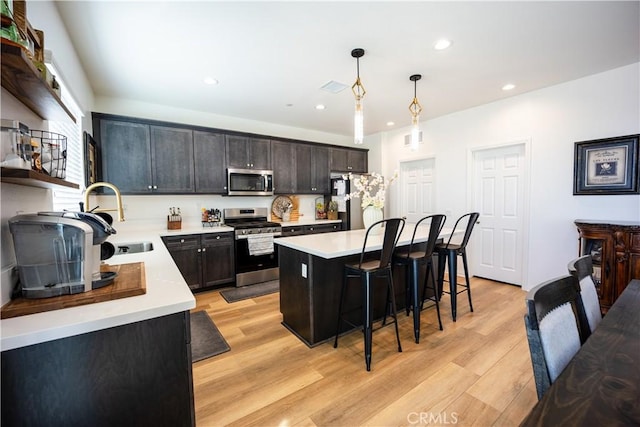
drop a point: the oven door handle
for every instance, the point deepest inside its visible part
(246, 236)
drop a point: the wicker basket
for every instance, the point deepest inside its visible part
(49, 153)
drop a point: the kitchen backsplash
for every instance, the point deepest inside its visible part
(153, 210)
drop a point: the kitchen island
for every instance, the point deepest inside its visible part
(311, 270)
(120, 362)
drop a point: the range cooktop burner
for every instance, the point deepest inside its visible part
(247, 221)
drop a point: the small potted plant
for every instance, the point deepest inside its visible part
(332, 210)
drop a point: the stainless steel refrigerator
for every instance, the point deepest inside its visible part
(349, 211)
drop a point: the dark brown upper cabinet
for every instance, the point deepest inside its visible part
(348, 160)
(248, 153)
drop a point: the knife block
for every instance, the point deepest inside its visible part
(174, 225)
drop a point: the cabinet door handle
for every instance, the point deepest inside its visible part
(217, 237)
(204, 249)
(155, 187)
(199, 250)
(148, 187)
(181, 240)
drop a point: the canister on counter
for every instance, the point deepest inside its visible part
(15, 145)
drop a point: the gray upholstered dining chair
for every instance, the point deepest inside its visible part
(582, 268)
(556, 325)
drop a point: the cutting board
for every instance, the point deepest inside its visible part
(129, 282)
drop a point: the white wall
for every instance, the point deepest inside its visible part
(553, 119)
(43, 15)
(167, 113)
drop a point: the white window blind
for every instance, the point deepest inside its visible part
(69, 198)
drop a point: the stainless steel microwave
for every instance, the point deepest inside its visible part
(249, 182)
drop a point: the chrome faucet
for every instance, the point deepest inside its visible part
(118, 199)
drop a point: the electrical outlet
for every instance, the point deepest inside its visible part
(304, 270)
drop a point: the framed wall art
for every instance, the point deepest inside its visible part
(91, 160)
(606, 166)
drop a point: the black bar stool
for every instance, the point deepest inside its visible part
(449, 252)
(414, 259)
(366, 271)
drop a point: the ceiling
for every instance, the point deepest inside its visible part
(272, 58)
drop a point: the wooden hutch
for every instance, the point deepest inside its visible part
(615, 248)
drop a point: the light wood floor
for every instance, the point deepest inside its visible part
(475, 372)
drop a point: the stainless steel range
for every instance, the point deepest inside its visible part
(256, 254)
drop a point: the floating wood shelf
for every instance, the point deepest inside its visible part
(22, 79)
(33, 179)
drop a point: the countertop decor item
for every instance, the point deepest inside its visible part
(319, 208)
(332, 210)
(371, 190)
(371, 215)
(280, 205)
(174, 219)
(211, 217)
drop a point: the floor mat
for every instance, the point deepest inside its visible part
(206, 339)
(251, 291)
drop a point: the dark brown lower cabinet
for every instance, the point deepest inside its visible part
(296, 230)
(322, 228)
(135, 374)
(204, 260)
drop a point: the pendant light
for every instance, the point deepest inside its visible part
(358, 92)
(415, 108)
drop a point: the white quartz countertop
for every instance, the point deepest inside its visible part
(343, 243)
(166, 293)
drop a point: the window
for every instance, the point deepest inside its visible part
(69, 198)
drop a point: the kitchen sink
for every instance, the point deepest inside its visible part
(133, 248)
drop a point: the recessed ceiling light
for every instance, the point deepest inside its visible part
(442, 44)
(210, 81)
(508, 86)
(320, 107)
(391, 123)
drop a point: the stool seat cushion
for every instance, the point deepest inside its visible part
(412, 256)
(365, 266)
(448, 247)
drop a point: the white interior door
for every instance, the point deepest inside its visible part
(499, 181)
(417, 189)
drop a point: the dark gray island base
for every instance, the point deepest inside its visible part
(309, 305)
(135, 374)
